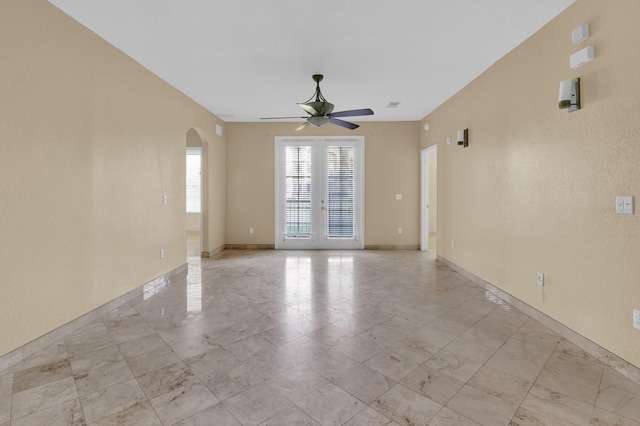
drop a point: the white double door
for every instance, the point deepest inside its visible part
(319, 192)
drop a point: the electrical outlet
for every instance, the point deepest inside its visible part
(161, 253)
(399, 231)
(251, 230)
(540, 278)
(636, 318)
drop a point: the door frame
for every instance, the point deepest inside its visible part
(425, 208)
(318, 241)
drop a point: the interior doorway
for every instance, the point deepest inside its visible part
(194, 201)
(429, 199)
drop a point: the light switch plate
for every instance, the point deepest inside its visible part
(398, 197)
(624, 205)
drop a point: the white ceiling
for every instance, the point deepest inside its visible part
(246, 59)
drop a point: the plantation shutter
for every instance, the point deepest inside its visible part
(298, 192)
(340, 191)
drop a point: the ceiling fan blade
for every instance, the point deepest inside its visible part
(352, 113)
(309, 109)
(343, 123)
(303, 126)
(278, 118)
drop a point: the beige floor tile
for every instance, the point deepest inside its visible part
(358, 349)
(257, 404)
(470, 349)
(606, 418)
(381, 335)
(249, 347)
(575, 387)
(104, 376)
(330, 364)
(432, 384)
(153, 360)
(458, 367)
(392, 364)
(524, 417)
(137, 347)
(139, 414)
(217, 415)
(414, 348)
(364, 383)
(406, 407)
(329, 405)
(490, 332)
(223, 373)
(44, 396)
(271, 362)
(446, 417)
(90, 360)
(41, 375)
(166, 379)
(111, 400)
(294, 383)
(67, 413)
(5, 408)
(290, 416)
(183, 402)
(482, 407)
(370, 417)
(557, 407)
(354, 325)
(54, 353)
(502, 385)
(570, 359)
(431, 337)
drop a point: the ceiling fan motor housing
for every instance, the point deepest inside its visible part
(318, 120)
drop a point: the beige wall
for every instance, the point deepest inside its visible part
(535, 189)
(392, 165)
(89, 142)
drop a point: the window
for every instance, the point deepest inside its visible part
(194, 180)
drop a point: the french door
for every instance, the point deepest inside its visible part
(319, 192)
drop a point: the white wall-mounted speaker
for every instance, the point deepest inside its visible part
(580, 34)
(582, 57)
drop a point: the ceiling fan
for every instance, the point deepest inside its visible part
(321, 112)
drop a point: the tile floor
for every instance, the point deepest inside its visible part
(316, 338)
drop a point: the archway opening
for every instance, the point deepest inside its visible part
(196, 203)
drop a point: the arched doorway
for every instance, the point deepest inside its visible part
(197, 202)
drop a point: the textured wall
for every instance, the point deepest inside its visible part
(89, 142)
(535, 190)
(392, 165)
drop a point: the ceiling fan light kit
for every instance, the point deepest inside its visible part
(321, 111)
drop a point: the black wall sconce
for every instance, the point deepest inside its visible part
(463, 138)
(569, 95)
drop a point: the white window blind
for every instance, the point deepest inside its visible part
(340, 191)
(298, 192)
(194, 177)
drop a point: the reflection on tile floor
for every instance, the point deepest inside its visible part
(316, 338)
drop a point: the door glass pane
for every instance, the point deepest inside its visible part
(298, 192)
(340, 191)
